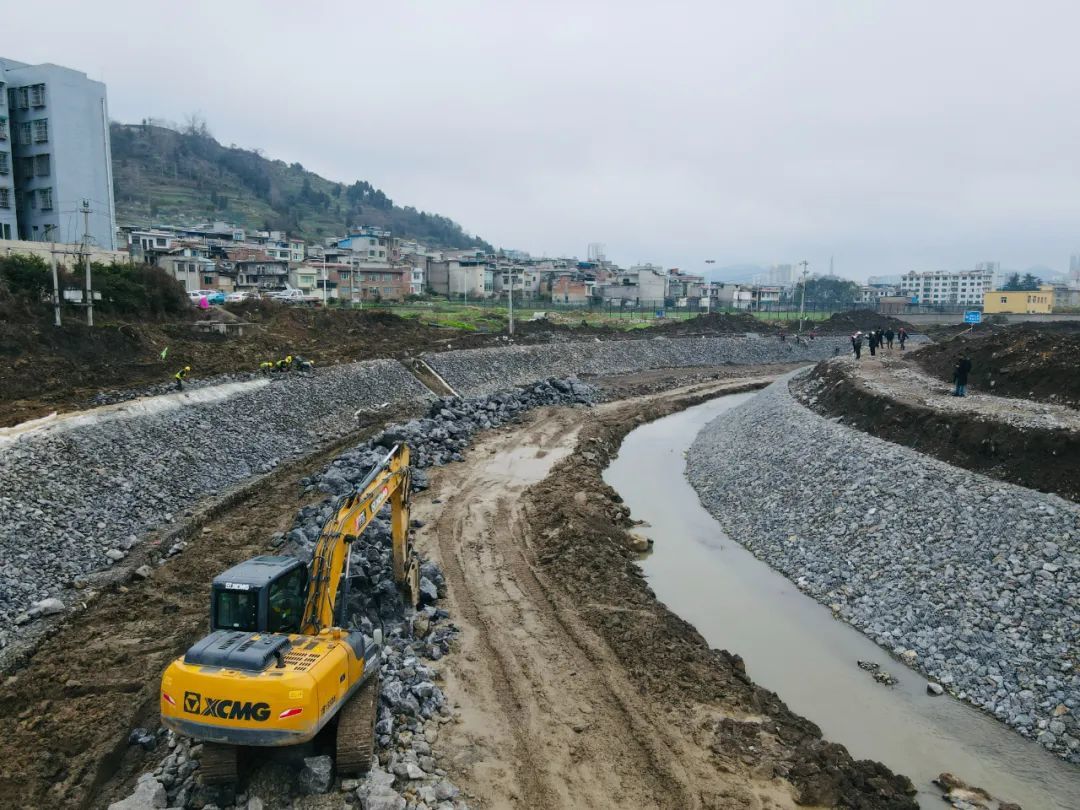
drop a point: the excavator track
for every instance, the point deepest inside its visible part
(218, 764)
(356, 730)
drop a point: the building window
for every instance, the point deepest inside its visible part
(207, 280)
(37, 95)
(45, 195)
(31, 199)
(25, 133)
(5, 229)
(5, 198)
(22, 97)
(41, 165)
(5, 164)
(160, 242)
(41, 130)
(1004, 299)
(3, 127)
(27, 168)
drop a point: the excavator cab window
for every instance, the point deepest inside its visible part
(288, 594)
(236, 610)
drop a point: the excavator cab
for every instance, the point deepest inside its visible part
(262, 595)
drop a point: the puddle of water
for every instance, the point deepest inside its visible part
(793, 646)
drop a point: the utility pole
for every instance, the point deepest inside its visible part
(802, 303)
(55, 286)
(86, 262)
(49, 231)
(511, 301)
(324, 279)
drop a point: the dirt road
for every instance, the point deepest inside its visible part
(550, 715)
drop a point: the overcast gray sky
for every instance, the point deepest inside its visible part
(893, 136)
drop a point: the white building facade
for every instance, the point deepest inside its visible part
(943, 288)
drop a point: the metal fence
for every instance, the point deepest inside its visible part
(634, 311)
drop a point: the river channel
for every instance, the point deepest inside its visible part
(793, 646)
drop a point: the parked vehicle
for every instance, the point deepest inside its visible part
(211, 296)
(241, 295)
(292, 295)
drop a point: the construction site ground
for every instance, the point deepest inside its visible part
(573, 686)
(48, 369)
(892, 397)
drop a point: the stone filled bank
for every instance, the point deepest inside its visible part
(77, 498)
(973, 581)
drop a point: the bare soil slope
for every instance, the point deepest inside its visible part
(1033, 362)
(1024, 442)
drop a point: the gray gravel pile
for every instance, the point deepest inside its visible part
(478, 371)
(75, 501)
(973, 581)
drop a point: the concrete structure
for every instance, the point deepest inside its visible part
(943, 287)
(872, 293)
(196, 273)
(57, 153)
(1028, 302)
(66, 254)
(729, 296)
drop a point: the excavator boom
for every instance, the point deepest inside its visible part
(389, 481)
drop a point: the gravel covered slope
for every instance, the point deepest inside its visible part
(976, 578)
(484, 370)
(74, 501)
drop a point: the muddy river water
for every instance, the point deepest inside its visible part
(793, 646)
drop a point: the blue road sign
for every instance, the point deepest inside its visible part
(973, 316)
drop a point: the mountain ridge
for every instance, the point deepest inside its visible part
(165, 176)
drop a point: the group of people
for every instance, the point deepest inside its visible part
(878, 339)
(287, 363)
(799, 338)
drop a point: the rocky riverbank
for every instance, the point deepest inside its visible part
(970, 580)
(476, 371)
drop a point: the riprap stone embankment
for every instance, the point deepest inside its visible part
(974, 580)
(477, 371)
(76, 500)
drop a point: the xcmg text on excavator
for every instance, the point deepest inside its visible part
(278, 665)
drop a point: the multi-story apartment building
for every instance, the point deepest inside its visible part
(940, 287)
(54, 156)
(9, 226)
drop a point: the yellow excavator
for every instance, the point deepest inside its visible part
(278, 666)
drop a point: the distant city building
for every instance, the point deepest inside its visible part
(1074, 267)
(54, 156)
(940, 287)
(1020, 301)
(878, 281)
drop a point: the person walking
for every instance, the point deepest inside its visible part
(960, 375)
(889, 335)
(856, 344)
(179, 377)
(872, 341)
(903, 337)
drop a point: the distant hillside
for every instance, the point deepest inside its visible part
(170, 177)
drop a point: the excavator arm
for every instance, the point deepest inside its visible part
(388, 481)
